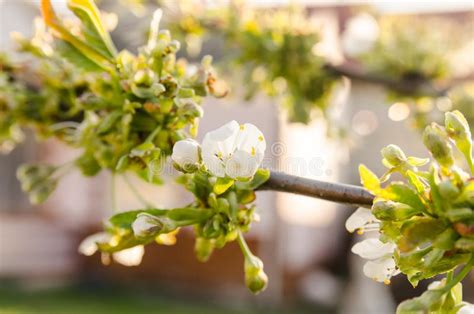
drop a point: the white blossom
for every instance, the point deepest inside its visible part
(381, 269)
(233, 150)
(130, 257)
(360, 35)
(127, 257)
(381, 265)
(89, 246)
(362, 220)
(186, 153)
(373, 248)
(468, 308)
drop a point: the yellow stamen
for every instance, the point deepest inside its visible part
(242, 127)
(386, 281)
(360, 231)
(253, 151)
(219, 155)
(260, 138)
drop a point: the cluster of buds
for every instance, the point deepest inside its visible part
(222, 174)
(124, 111)
(425, 224)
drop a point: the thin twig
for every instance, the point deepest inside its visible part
(335, 192)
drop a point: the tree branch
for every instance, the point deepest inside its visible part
(409, 86)
(334, 192)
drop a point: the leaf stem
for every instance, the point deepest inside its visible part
(243, 246)
(153, 134)
(459, 277)
(137, 194)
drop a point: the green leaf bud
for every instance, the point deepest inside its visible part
(394, 155)
(143, 77)
(437, 143)
(255, 278)
(448, 190)
(388, 210)
(203, 249)
(146, 225)
(457, 125)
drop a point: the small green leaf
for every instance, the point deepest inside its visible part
(421, 304)
(124, 220)
(261, 176)
(415, 182)
(94, 31)
(369, 180)
(399, 192)
(108, 122)
(417, 162)
(418, 231)
(222, 185)
(188, 215)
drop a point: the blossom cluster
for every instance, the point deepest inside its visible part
(424, 225)
(222, 174)
(124, 111)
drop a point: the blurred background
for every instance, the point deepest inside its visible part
(302, 241)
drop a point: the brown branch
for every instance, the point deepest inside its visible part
(409, 86)
(334, 192)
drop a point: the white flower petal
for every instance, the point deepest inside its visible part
(130, 257)
(435, 285)
(221, 141)
(468, 308)
(373, 249)
(359, 219)
(88, 246)
(381, 269)
(241, 165)
(251, 139)
(185, 152)
(214, 164)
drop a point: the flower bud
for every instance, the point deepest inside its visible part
(148, 225)
(186, 154)
(437, 143)
(190, 109)
(448, 190)
(143, 77)
(457, 125)
(393, 155)
(203, 248)
(388, 210)
(255, 278)
(145, 225)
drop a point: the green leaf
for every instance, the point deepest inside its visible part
(415, 182)
(63, 33)
(189, 215)
(260, 177)
(108, 122)
(466, 244)
(418, 231)
(399, 192)
(222, 185)
(88, 164)
(421, 304)
(369, 180)
(94, 31)
(75, 57)
(124, 220)
(417, 162)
